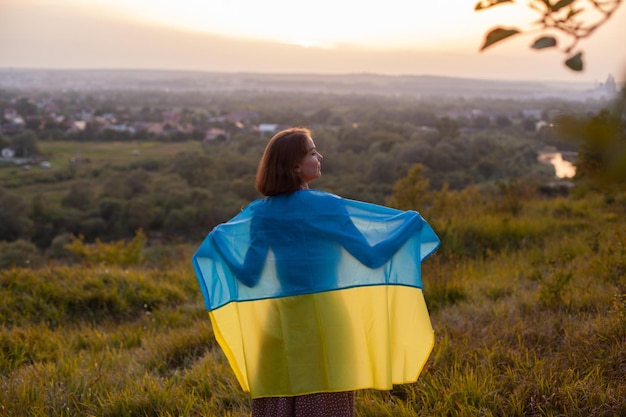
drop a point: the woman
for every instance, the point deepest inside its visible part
(313, 296)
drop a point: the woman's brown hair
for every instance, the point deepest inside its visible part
(276, 173)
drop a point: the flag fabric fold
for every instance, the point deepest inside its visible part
(310, 292)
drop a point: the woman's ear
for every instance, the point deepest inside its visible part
(297, 169)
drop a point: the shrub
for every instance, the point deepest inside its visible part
(113, 253)
(58, 249)
(19, 253)
(490, 234)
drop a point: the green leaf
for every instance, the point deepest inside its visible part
(486, 4)
(544, 42)
(575, 62)
(560, 4)
(497, 35)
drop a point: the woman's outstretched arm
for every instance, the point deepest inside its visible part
(248, 272)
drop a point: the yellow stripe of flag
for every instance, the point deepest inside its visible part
(355, 338)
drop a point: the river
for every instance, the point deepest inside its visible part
(562, 167)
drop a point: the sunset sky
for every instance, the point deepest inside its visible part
(289, 36)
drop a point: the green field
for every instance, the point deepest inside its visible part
(88, 157)
(72, 161)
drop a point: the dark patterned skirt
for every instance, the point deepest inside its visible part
(325, 404)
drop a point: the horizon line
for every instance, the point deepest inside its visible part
(298, 73)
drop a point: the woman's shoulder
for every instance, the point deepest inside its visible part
(317, 198)
(318, 194)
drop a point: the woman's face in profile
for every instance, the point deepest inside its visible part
(310, 167)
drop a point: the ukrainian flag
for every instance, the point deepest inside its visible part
(309, 292)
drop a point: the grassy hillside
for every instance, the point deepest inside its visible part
(527, 298)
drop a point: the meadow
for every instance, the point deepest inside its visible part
(80, 156)
(527, 296)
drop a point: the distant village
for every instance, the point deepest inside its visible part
(48, 120)
(90, 120)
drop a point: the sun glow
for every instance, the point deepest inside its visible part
(311, 43)
(322, 24)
